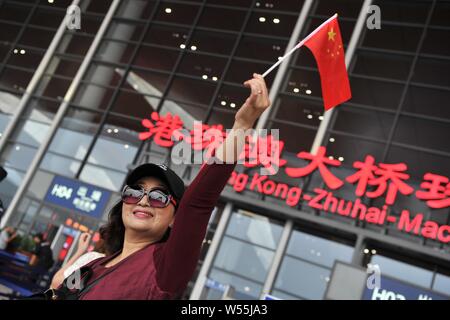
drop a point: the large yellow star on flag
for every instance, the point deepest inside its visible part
(331, 34)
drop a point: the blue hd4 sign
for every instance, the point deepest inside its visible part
(81, 197)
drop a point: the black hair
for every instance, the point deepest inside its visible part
(113, 233)
(40, 236)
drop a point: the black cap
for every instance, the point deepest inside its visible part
(160, 171)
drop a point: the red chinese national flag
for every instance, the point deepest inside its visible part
(326, 45)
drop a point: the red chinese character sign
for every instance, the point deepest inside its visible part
(318, 161)
(162, 130)
(364, 174)
(435, 190)
(263, 151)
(386, 177)
(390, 177)
(372, 180)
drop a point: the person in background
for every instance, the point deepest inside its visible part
(79, 259)
(7, 235)
(43, 255)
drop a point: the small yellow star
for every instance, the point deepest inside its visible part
(331, 34)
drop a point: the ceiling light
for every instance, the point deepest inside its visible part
(320, 118)
(193, 48)
(341, 159)
(308, 91)
(182, 46)
(374, 251)
(233, 105)
(296, 90)
(22, 51)
(366, 251)
(168, 10)
(224, 103)
(332, 139)
(109, 130)
(204, 76)
(214, 78)
(276, 20)
(309, 116)
(16, 51)
(116, 130)
(262, 19)
(126, 146)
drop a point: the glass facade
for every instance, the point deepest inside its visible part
(190, 58)
(306, 265)
(246, 253)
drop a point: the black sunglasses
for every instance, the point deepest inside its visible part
(157, 198)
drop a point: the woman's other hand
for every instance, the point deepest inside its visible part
(83, 242)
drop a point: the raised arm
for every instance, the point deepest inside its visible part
(180, 254)
(83, 243)
(245, 118)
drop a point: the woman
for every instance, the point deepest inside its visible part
(157, 230)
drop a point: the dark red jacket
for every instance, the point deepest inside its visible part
(163, 270)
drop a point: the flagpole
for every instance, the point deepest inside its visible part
(280, 60)
(298, 45)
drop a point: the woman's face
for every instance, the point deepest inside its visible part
(147, 220)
